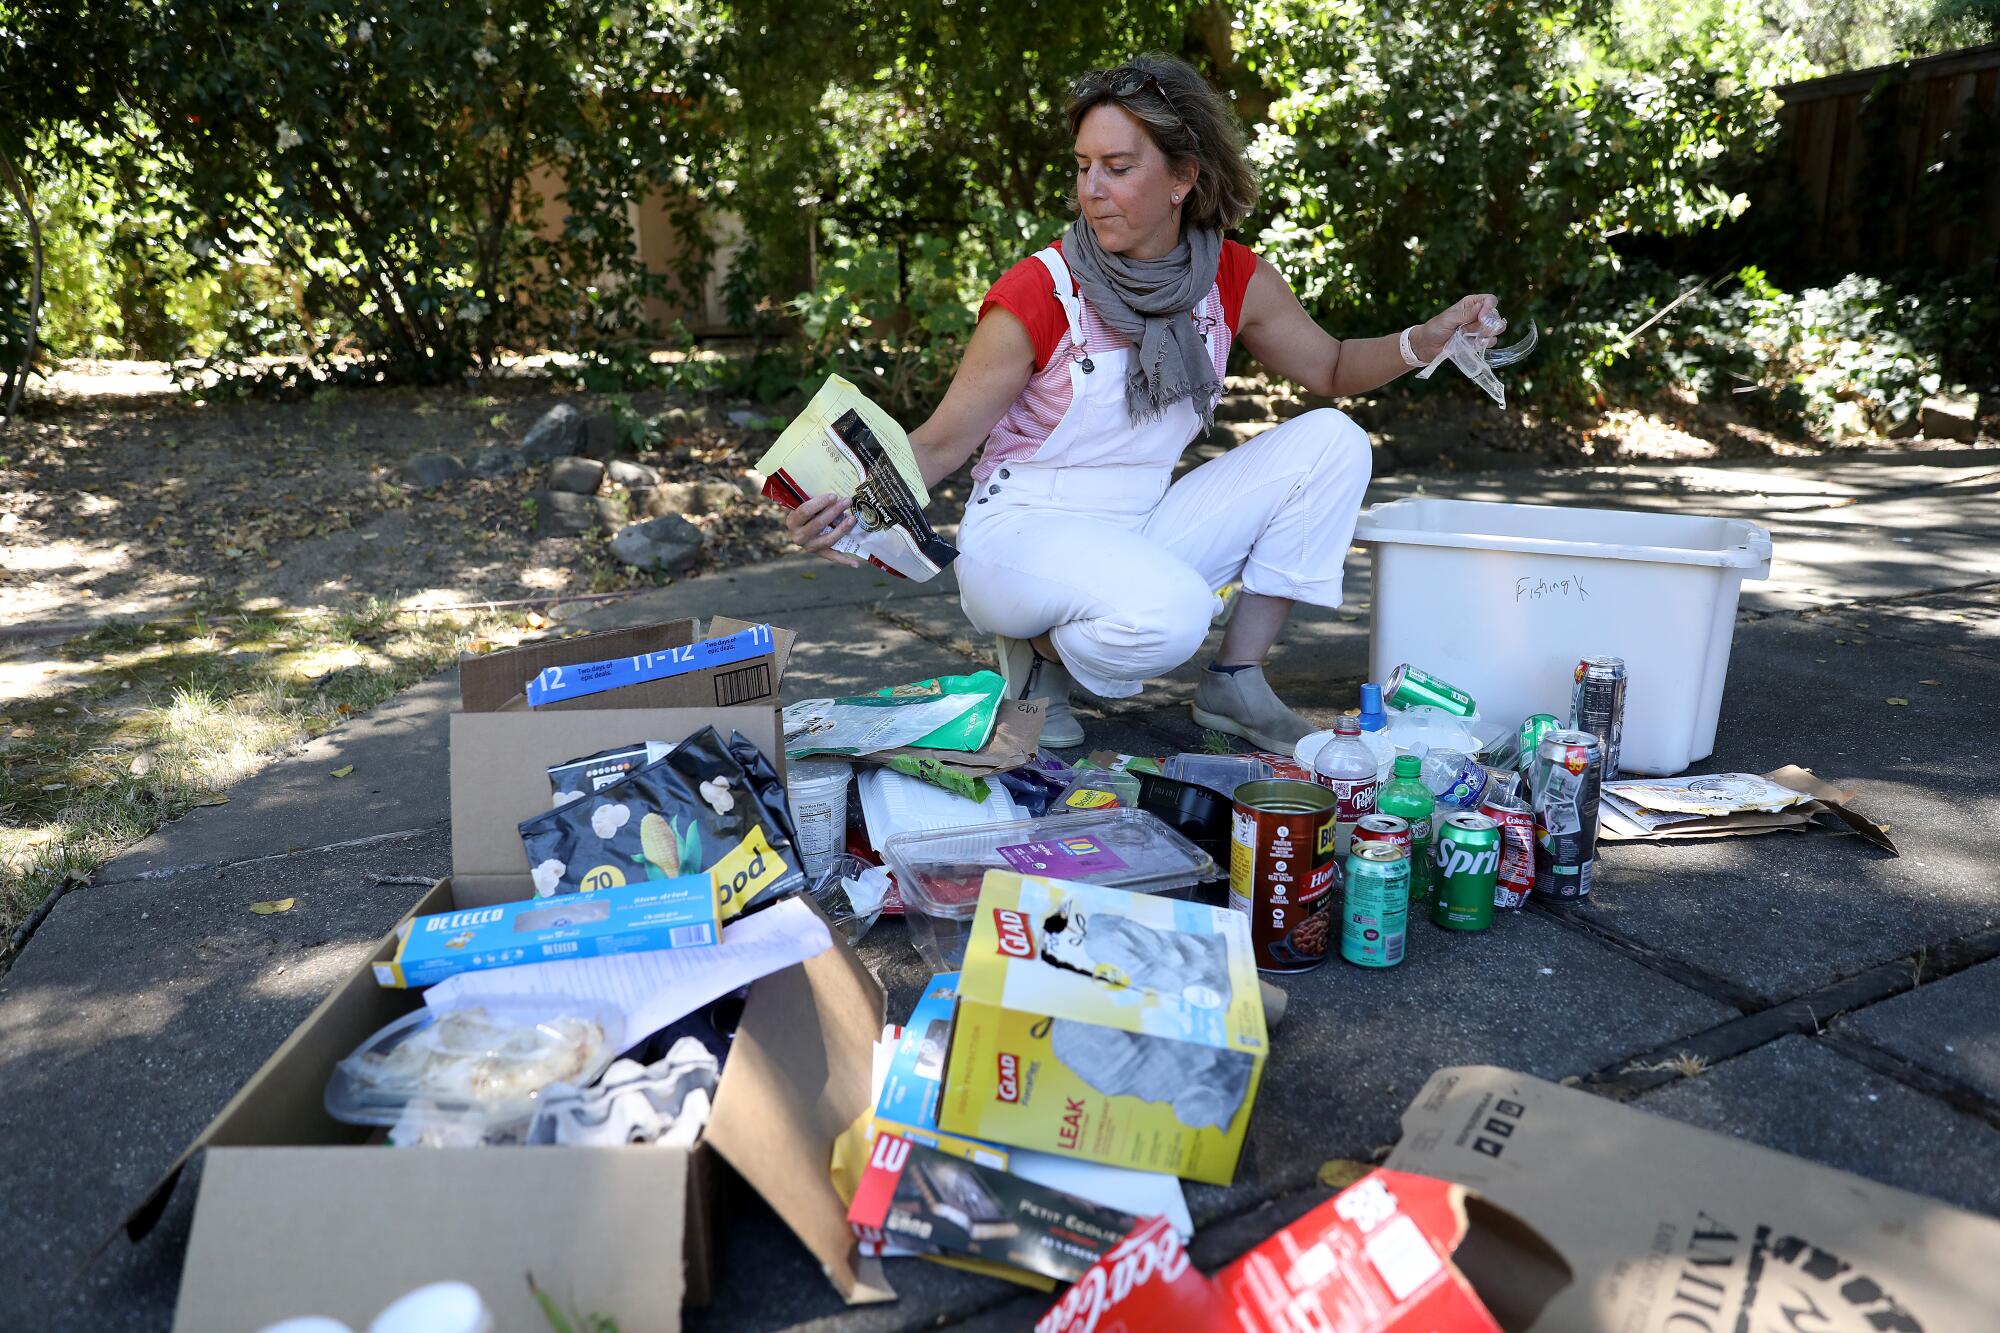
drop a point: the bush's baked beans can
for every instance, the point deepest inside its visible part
(1281, 870)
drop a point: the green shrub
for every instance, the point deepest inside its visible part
(1855, 358)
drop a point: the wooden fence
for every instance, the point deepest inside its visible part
(1891, 167)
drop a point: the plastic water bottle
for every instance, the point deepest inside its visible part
(1408, 798)
(1457, 780)
(1347, 766)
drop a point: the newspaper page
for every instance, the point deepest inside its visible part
(846, 445)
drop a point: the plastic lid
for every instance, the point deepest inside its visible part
(1218, 772)
(1347, 726)
(488, 1061)
(940, 872)
(1408, 766)
(1372, 716)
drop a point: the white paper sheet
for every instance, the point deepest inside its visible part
(658, 986)
(893, 803)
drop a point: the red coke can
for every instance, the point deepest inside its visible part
(1384, 828)
(1517, 851)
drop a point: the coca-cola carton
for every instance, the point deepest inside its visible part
(1390, 1254)
(1375, 1257)
(1146, 1282)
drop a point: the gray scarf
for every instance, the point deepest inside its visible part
(1151, 302)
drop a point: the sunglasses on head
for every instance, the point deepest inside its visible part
(1127, 80)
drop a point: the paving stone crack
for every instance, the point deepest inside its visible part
(1802, 1015)
(1940, 1087)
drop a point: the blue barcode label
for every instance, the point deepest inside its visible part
(685, 937)
(576, 680)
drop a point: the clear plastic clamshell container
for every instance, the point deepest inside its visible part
(939, 873)
(1217, 772)
(484, 1062)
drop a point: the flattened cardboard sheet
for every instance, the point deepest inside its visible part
(1669, 1227)
(1829, 799)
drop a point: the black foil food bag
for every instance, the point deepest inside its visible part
(694, 811)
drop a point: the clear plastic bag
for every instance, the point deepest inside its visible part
(1477, 358)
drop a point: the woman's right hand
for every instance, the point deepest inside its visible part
(820, 522)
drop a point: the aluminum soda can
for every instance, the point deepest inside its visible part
(1567, 783)
(1379, 827)
(1281, 871)
(1597, 705)
(1409, 687)
(1515, 878)
(1375, 918)
(1468, 865)
(1533, 728)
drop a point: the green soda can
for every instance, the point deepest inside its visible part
(1408, 798)
(1376, 917)
(1468, 865)
(1533, 728)
(1410, 688)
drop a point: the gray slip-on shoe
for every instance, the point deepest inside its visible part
(1241, 703)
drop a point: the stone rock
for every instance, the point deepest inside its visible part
(674, 423)
(601, 438)
(632, 475)
(1950, 418)
(428, 471)
(578, 476)
(751, 483)
(708, 418)
(714, 495)
(1908, 428)
(557, 434)
(668, 544)
(494, 461)
(565, 514)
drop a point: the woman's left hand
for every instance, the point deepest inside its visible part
(1469, 313)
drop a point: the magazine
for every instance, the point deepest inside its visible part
(843, 444)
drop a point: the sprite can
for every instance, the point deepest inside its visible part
(1375, 923)
(1468, 865)
(1410, 688)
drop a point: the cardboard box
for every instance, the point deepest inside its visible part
(679, 913)
(915, 1082)
(1669, 1227)
(1154, 1001)
(299, 1213)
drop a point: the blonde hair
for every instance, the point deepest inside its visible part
(1189, 121)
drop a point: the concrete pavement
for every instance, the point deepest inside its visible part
(1847, 1003)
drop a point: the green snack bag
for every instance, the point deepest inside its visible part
(935, 773)
(968, 732)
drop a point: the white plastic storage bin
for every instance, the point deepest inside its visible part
(1503, 600)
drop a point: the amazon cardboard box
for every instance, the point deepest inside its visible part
(1669, 1227)
(301, 1214)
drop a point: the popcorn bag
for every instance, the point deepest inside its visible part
(1109, 1025)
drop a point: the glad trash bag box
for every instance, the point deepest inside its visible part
(1119, 1027)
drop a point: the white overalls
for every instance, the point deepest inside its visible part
(1092, 540)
